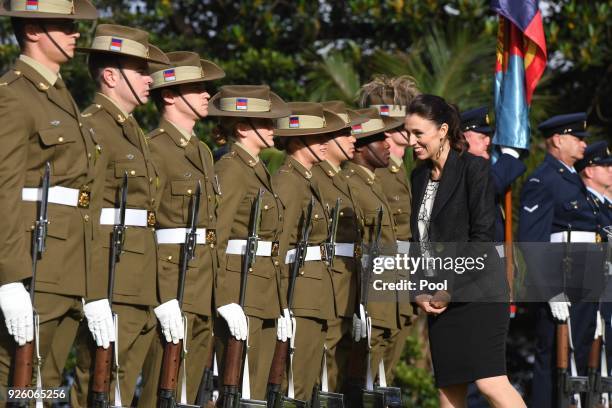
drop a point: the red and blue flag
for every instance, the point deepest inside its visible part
(31, 5)
(242, 104)
(294, 122)
(384, 110)
(521, 61)
(169, 75)
(116, 44)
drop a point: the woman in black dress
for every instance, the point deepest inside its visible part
(453, 203)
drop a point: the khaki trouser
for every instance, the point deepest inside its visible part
(307, 357)
(262, 341)
(59, 320)
(338, 342)
(136, 332)
(199, 342)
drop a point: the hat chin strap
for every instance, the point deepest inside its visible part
(68, 57)
(382, 163)
(190, 107)
(257, 133)
(317, 158)
(341, 149)
(120, 68)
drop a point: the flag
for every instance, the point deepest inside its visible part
(384, 110)
(31, 5)
(294, 121)
(169, 75)
(242, 104)
(356, 129)
(116, 44)
(521, 61)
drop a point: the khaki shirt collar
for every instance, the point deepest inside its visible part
(304, 172)
(246, 150)
(178, 135)
(368, 172)
(111, 107)
(48, 75)
(395, 160)
(329, 168)
(244, 154)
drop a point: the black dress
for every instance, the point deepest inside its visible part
(468, 339)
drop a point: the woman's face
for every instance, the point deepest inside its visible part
(265, 128)
(425, 136)
(346, 141)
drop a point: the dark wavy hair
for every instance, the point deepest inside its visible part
(437, 110)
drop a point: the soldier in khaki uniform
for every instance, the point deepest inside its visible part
(41, 123)
(333, 185)
(246, 113)
(391, 96)
(304, 137)
(372, 152)
(183, 160)
(118, 60)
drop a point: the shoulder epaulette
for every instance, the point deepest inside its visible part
(155, 133)
(229, 155)
(9, 77)
(91, 110)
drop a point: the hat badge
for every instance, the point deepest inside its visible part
(116, 44)
(242, 103)
(356, 129)
(169, 75)
(384, 110)
(31, 5)
(294, 122)
(487, 119)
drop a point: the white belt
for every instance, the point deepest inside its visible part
(57, 195)
(177, 235)
(313, 253)
(576, 236)
(345, 249)
(403, 247)
(133, 217)
(238, 247)
(501, 250)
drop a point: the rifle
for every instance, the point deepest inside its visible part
(330, 244)
(568, 385)
(360, 392)
(22, 374)
(172, 352)
(235, 348)
(207, 385)
(282, 350)
(104, 357)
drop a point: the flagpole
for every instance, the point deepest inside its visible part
(508, 247)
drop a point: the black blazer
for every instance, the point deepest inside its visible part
(463, 217)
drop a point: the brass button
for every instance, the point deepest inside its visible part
(276, 263)
(80, 124)
(341, 213)
(399, 210)
(250, 269)
(86, 217)
(60, 139)
(189, 191)
(301, 273)
(89, 155)
(266, 207)
(170, 257)
(133, 172)
(316, 216)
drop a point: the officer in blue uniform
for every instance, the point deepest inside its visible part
(595, 169)
(554, 201)
(508, 167)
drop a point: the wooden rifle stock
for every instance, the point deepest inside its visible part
(232, 372)
(22, 373)
(171, 363)
(102, 369)
(279, 363)
(562, 364)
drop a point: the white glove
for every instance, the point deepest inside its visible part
(171, 320)
(236, 320)
(100, 321)
(17, 309)
(559, 307)
(360, 328)
(284, 326)
(511, 151)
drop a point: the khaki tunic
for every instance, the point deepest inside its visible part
(314, 294)
(41, 123)
(369, 196)
(396, 186)
(333, 185)
(182, 164)
(240, 178)
(128, 152)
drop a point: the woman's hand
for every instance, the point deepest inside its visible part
(429, 304)
(440, 299)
